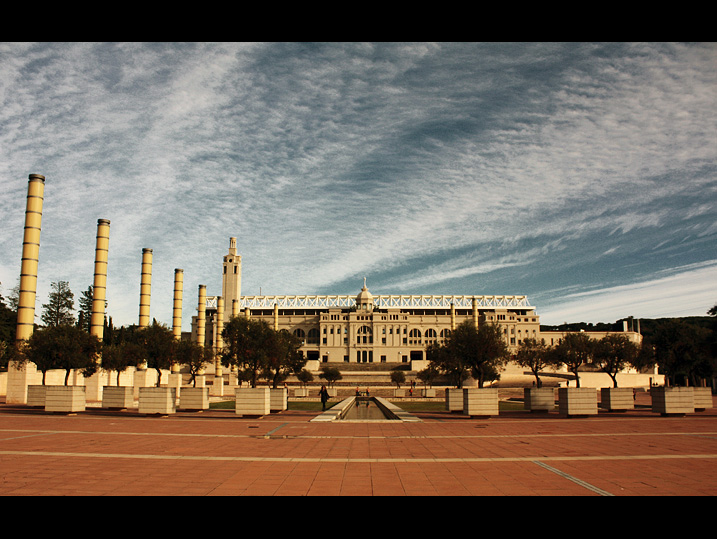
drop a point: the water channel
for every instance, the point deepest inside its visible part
(366, 409)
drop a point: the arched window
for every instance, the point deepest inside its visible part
(300, 333)
(313, 337)
(364, 335)
(431, 333)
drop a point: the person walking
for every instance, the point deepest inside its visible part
(324, 394)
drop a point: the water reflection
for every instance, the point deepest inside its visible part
(365, 409)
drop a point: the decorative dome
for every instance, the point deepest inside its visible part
(364, 300)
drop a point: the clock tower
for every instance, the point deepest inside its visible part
(231, 279)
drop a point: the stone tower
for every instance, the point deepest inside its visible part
(231, 278)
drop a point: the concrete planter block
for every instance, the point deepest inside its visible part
(278, 399)
(617, 399)
(120, 397)
(539, 399)
(301, 392)
(252, 401)
(428, 392)
(454, 400)
(194, 398)
(36, 395)
(65, 399)
(673, 400)
(332, 391)
(703, 398)
(218, 386)
(480, 401)
(157, 400)
(577, 401)
(398, 392)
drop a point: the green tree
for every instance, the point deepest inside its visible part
(574, 350)
(442, 360)
(120, 356)
(613, 353)
(63, 347)
(8, 326)
(84, 315)
(194, 356)
(534, 354)
(246, 345)
(682, 351)
(330, 374)
(284, 357)
(58, 310)
(8, 321)
(157, 342)
(480, 352)
(428, 374)
(304, 377)
(398, 377)
(493, 353)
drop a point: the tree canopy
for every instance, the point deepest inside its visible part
(535, 355)
(613, 353)
(58, 310)
(480, 352)
(63, 347)
(284, 357)
(194, 356)
(247, 344)
(158, 343)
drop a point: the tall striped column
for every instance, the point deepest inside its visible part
(218, 387)
(30, 257)
(177, 309)
(18, 377)
(145, 288)
(202, 314)
(99, 287)
(94, 384)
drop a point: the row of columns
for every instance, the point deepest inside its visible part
(20, 378)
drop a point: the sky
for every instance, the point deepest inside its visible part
(582, 175)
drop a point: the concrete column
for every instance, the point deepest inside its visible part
(30, 257)
(475, 312)
(453, 317)
(18, 378)
(201, 326)
(99, 287)
(94, 384)
(202, 314)
(235, 307)
(145, 288)
(141, 375)
(276, 317)
(220, 327)
(177, 310)
(218, 386)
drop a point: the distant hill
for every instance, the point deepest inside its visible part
(647, 325)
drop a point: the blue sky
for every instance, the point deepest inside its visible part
(583, 175)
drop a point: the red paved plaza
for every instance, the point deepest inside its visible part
(98, 453)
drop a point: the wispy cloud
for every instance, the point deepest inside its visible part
(521, 167)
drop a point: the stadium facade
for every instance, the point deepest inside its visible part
(368, 328)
